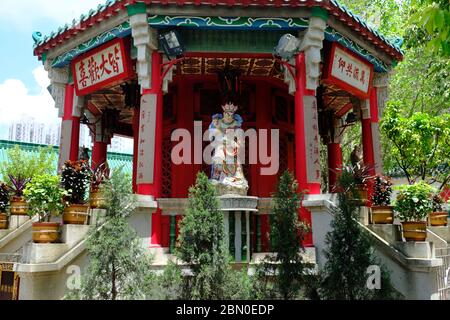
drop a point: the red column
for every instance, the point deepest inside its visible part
(155, 189)
(334, 163)
(68, 116)
(99, 153)
(300, 140)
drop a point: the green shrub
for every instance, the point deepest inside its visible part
(44, 196)
(414, 202)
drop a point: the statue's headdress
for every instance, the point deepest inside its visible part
(229, 107)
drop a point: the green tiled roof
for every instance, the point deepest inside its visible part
(112, 6)
(115, 160)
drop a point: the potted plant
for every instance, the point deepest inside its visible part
(362, 177)
(382, 211)
(100, 175)
(438, 218)
(19, 206)
(44, 196)
(75, 179)
(4, 201)
(413, 204)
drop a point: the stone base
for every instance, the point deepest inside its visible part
(73, 234)
(46, 253)
(389, 232)
(443, 232)
(17, 221)
(364, 215)
(417, 250)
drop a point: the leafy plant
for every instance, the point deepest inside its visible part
(21, 163)
(18, 185)
(382, 191)
(100, 175)
(45, 196)
(438, 203)
(4, 197)
(75, 179)
(414, 202)
(361, 174)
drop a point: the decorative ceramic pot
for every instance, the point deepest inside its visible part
(45, 232)
(98, 199)
(76, 214)
(18, 206)
(438, 219)
(415, 230)
(382, 215)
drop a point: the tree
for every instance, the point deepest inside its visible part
(287, 234)
(432, 17)
(420, 145)
(203, 249)
(119, 268)
(349, 253)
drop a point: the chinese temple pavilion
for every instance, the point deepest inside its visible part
(163, 72)
(111, 70)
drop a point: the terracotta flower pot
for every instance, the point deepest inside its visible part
(19, 207)
(97, 199)
(76, 214)
(415, 230)
(45, 232)
(382, 215)
(438, 219)
(3, 221)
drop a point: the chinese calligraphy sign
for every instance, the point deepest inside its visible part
(312, 139)
(349, 72)
(101, 67)
(147, 131)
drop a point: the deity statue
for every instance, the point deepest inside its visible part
(227, 138)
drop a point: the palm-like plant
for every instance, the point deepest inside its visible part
(100, 175)
(18, 185)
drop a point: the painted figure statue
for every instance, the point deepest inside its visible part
(227, 138)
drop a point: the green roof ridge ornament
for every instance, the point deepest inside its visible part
(37, 37)
(320, 13)
(137, 8)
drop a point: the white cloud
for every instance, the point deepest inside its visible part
(17, 103)
(24, 14)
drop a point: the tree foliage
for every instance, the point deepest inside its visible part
(349, 253)
(420, 144)
(287, 266)
(119, 267)
(203, 250)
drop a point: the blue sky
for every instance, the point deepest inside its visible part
(23, 81)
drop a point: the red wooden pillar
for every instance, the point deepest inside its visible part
(99, 153)
(303, 169)
(135, 147)
(334, 164)
(155, 188)
(70, 131)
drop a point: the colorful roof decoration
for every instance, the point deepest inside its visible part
(113, 7)
(115, 160)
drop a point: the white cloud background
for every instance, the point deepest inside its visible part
(16, 100)
(17, 103)
(23, 14)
